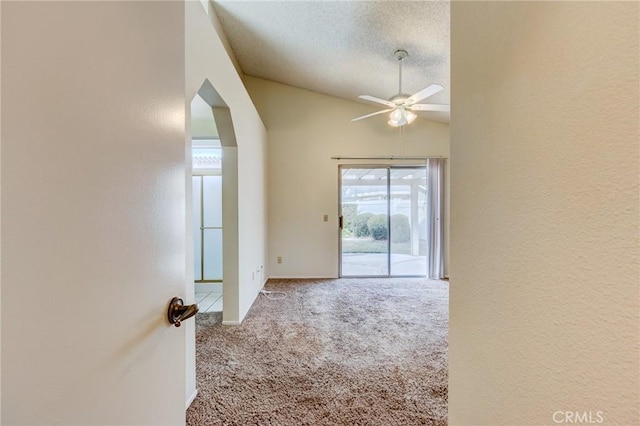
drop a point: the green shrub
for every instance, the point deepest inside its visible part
(359, 225)
(349, 212)
(378, 226)
(400, 228)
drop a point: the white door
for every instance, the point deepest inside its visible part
(93, 212)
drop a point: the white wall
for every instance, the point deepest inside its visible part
(305, 130)
(207, 58)
(544, 303)
(0, 217)
(203, 126)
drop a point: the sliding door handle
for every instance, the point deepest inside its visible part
(340, 221)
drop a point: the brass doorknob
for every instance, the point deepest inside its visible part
(178, 312)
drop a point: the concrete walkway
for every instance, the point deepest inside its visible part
(375, 264)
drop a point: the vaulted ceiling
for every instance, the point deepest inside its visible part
(343, 48)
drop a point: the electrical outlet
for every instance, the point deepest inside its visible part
(279, 259)
(253, 275)
(325, 218)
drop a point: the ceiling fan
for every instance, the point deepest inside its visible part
(401, 105)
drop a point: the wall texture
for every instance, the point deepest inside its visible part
(544, 303)
(305, 130)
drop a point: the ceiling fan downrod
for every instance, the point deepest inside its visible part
(400, 55)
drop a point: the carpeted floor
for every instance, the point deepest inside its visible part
(334, 352)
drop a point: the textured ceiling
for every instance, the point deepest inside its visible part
(343, 48)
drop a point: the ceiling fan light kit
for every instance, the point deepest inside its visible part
(399, 117)
(401, 105)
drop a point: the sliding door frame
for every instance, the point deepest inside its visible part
(388, 167)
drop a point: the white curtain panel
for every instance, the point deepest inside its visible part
(435, 200)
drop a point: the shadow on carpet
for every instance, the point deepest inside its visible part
(334, 352)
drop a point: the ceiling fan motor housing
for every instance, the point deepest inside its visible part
(399, 98)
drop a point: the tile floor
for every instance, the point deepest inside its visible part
(209, 301)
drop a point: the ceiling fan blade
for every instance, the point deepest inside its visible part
(429, 107)
(378, 100)
(372, 114)
(424, 93)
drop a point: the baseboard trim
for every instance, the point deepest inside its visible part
(231, 322)
(301, 278)
(192, 398)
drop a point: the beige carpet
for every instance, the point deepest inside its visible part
(334, 352)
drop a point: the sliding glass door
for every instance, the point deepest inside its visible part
(383, 213)
(364, 213)
(408, 221)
